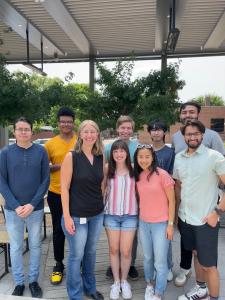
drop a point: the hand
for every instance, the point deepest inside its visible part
(211, 219)
(27, 209)
(19, 210)
(169, 232)
(69, 224)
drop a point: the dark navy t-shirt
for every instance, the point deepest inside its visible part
(165, 158)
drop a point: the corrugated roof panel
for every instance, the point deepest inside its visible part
(118, 27)
(198, 21)
(121, 23)
(39, 17)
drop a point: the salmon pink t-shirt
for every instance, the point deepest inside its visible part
(154, 205)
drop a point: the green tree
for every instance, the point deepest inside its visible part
(214, 100)
(160, 96)
(119, 93)
(17, 96)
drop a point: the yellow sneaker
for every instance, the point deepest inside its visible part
(57, 274)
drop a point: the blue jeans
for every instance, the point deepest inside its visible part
(82, 248)
(15, 227)
(155, 249)
(122, 223)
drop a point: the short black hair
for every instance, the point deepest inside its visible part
(23, 119)
(65, 111)
(192, 103)
(194, 123)
(157, 124)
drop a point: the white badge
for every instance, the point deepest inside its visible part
(83, 220)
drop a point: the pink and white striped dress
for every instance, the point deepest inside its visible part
(121, 197)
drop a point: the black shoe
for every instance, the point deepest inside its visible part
(18, 291)
(96, 296)
(36, 291)
(133, 273)
(108, 273)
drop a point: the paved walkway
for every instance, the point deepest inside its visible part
(59, 292)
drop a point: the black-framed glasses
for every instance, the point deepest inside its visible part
(23, 129)
(66, 122)
(147, 146)
(194, 134)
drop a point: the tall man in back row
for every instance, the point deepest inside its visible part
(125, 128)
(197, 171)
(189, 111)
(57, 148)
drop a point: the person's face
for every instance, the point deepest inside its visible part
(89, 134)
(66, 124)
(193, 137)
(125, 130)
(157, 135)
(23, 132)
(144, 158)
(119, 155)
(189, 113)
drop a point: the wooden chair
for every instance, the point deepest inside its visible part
(5, 243)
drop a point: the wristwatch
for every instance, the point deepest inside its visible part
(219, 211)
(170, 223)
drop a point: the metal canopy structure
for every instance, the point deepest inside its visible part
(80, 30)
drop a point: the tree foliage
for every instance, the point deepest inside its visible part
(214, 100)
(39, 98)
(146, 98)
(17, 96)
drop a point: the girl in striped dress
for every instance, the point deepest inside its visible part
(121, 217)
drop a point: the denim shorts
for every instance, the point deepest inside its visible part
(124, 222)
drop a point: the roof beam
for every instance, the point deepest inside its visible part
(163, 20)
(217, 36)
(64, 19)
(162, 24)
(12, 18)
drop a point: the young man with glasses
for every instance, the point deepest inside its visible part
(189, 111)
(57, 148)
(24, 180)
(197, 171)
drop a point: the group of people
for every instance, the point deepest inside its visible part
(124, 186)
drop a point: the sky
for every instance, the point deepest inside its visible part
(203, 75)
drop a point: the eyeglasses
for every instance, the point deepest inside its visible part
(66, 122)
(23, 129)
(194, 134)
(147, 146)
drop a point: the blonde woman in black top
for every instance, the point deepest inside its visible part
(81, 190)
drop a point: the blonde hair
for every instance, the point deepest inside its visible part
(123, 119)
(97, 147)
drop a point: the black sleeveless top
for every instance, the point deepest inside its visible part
(86, 198)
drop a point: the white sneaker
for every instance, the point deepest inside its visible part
(170, 275)
(156, 297)
(149, 292)
(115, 291)
(126, 290)
(197, 293)
(182, 277)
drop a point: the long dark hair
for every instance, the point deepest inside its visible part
(152, 168)
(119, 144)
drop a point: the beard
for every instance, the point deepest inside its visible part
(184, 121)
(195, 145)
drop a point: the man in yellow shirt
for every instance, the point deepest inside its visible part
(57, 148)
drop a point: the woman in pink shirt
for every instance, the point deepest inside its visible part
(157, 205)
(121, 217)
